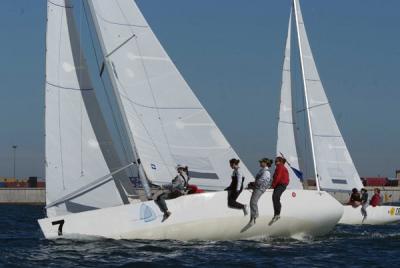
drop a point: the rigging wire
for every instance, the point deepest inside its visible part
(81, 130)
(79, 73)
(59, 103)
(303, 132)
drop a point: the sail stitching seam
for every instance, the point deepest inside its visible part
(327, 136)
(69, 88)
(161, 108)
(118, 23)
(287, 122)
(318, 105)
(59, 106)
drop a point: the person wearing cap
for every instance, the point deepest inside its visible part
(364, 203)
(279, 184)
(260, 185)
(173, 190)
(236, 187)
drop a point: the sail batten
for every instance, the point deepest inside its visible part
(334, 168)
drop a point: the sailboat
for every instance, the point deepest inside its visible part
(97, 189)
(333, 166)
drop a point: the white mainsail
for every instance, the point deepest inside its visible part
(74, 157)
(286, 142)
(166, 123)
(333, 165)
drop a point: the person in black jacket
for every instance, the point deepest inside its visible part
(236, 187)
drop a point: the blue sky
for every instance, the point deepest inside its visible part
(230, 52)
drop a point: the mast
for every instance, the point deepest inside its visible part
(107, 65)
(295, 4)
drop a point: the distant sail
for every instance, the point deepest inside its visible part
(286, 143)
(335, 168)
(73, 154)
(166, 122)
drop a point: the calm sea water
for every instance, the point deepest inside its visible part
(22, 245)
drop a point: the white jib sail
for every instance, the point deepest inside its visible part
(168, 124)
(286, 143)
(334, 166)
(73, 155)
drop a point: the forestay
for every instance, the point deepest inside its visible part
(334, 166)
(167, 123)
(286, 143)
(73, 153)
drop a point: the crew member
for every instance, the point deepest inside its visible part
(236, 187)
(260, 185)
(279, 184)
(376, 198)
(355, 198)
(173, 190)
(364, 203)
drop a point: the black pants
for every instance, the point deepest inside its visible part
(276, 198)
(232, 196)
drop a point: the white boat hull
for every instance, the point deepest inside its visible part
(203, 217)
(375, 215)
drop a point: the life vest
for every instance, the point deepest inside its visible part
(234, 183)
(185, 184)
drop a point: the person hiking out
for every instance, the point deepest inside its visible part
(236, 187)
(279, 184)
(173, 190)
(355, 198)
(259, 186)
(364, 203)
(376, 198)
